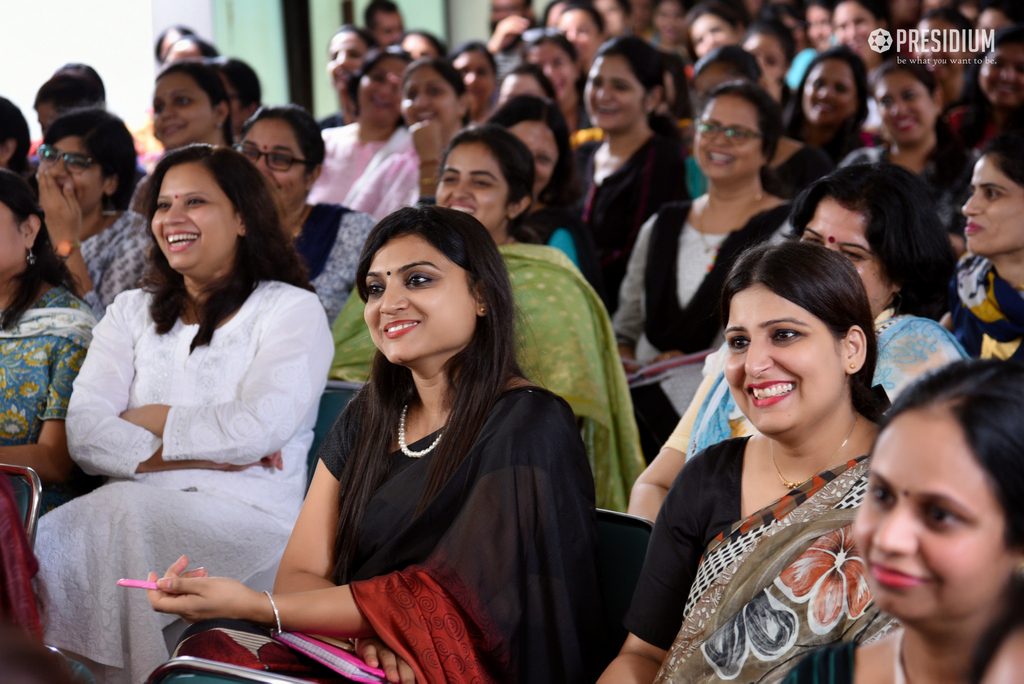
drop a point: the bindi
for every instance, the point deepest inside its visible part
(831, 239)
(389, 272)
(175, 197)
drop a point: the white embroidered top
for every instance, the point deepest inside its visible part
(252, 391)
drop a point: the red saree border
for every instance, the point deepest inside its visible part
(431, 623)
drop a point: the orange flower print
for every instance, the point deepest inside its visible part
(831, 577)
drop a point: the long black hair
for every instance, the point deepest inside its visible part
(514, 160)
(901, 228)
(796, 118)
(264, 253)
(977, 108)
(948, 158)
(13, 125)
(477, 375)
(826, 285)
(17, 196)
(563, 188)
(645, 62)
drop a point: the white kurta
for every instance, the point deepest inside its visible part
(252, 391)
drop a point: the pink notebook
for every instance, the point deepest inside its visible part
(339, 660)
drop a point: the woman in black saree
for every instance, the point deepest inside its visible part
(450, 527)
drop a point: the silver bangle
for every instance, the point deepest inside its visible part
(277, 616)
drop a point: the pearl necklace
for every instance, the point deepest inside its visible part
(401, 438)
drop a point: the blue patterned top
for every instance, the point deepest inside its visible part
(39, 360)
(908, 346)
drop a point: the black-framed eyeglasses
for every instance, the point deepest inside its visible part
(737, 133)
(73, 162)
(278, 161)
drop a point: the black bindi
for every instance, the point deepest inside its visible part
(389, 272)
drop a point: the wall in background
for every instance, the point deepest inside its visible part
(116, 38)
(252, 31)
(112, 36)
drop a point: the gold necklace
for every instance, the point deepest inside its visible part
(793, 485)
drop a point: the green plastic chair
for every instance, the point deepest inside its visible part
(28, 494)
(332, 401)
(188, 670)
(621, 547)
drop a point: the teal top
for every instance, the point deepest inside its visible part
(40, 357)
(798, 67)
(562, 239)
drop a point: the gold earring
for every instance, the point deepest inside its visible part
(482, 311)
(853, 365)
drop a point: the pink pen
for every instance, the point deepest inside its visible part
(137, 584)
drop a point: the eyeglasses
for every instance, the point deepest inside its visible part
(737, 133)
(278, 161)
(535, 34)
(73, 162)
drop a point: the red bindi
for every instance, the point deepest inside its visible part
(831, 239)
(176, 197)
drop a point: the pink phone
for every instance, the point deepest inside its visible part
(137, 584)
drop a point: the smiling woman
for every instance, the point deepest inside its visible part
(198, 399)
(984, 297)
(446, 447)
(566, 343)
(285, 145)
(940, 528)
(736, 581)
(190, 105)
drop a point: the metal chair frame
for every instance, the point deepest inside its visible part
(35, 496)
(187, 665)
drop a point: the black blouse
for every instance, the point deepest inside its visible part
(512, 535)
(704, 501)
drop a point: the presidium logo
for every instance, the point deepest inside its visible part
(947, 41)
(880, 40)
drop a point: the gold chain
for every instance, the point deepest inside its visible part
(793, 485)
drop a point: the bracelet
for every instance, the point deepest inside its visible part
(64, 247)
(277, 616)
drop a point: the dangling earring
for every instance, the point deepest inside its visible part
(30, 257)
(897, 302)
(108, 206)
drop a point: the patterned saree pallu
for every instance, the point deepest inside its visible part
(785, 580)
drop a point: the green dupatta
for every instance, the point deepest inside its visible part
(566, 344)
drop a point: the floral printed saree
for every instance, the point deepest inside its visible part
(781, 582)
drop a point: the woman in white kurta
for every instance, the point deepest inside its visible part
(198, 400)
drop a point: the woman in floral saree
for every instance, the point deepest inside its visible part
(748, 568)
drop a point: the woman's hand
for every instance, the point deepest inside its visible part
(196, 596)
(670, 354)
(156, 463)
(377, 654)
(426, 138)
(506, 32)
(152, 417)
(628, 357)
(63, 213)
